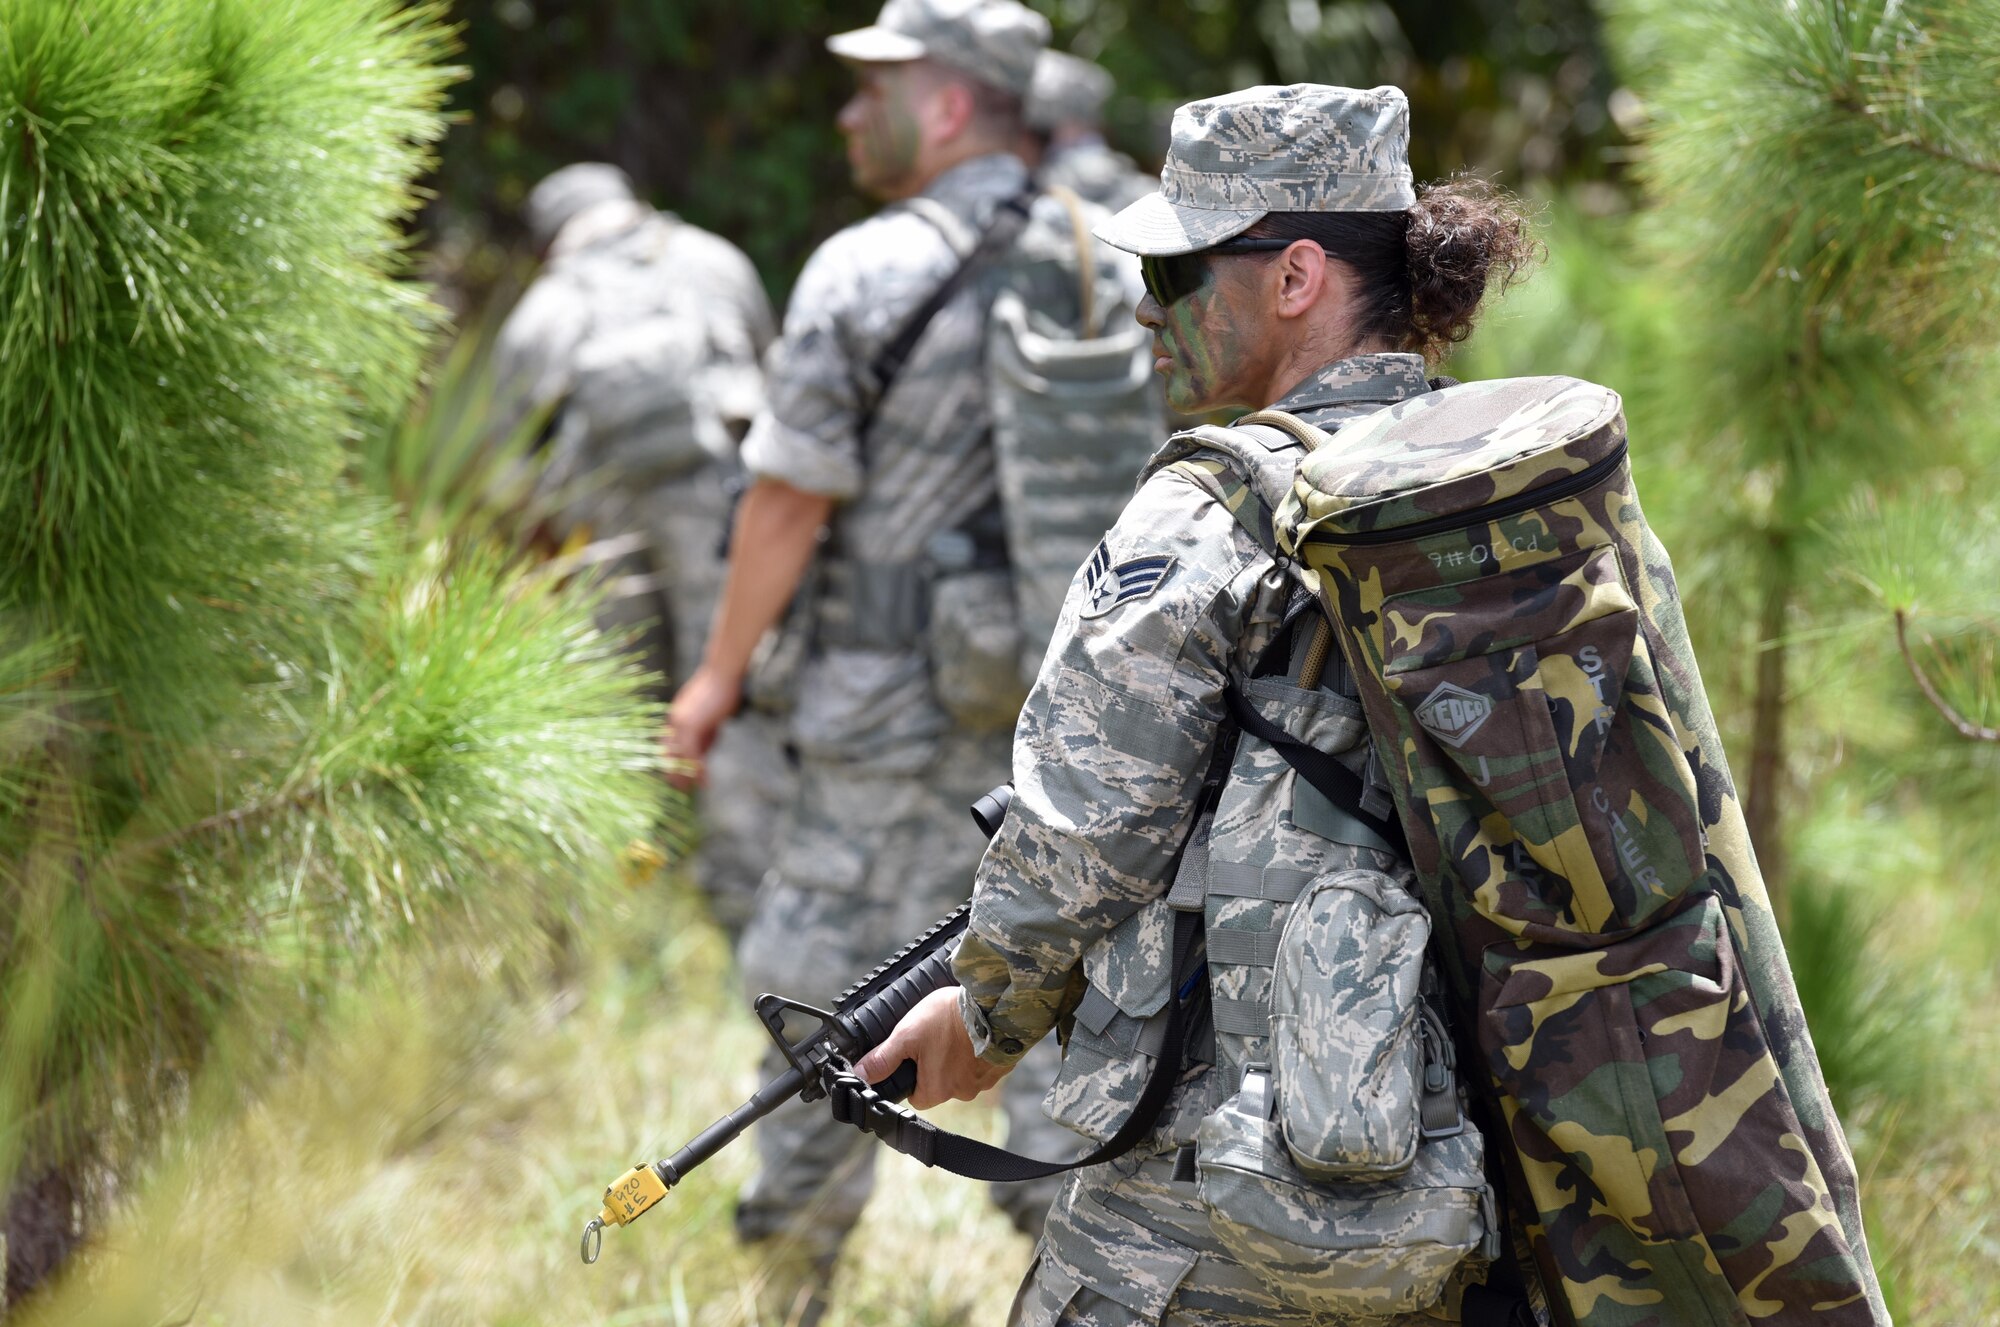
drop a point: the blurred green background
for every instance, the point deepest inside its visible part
(724, 112)
(376, 1063)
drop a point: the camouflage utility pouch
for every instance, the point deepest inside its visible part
(1513, 629)
(1353, 1059)
(1357, 1250)
(973, 639)
(1316, 1169)
(1343, 1173)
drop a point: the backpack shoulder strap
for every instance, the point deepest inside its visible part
(1007, 223)
(1248, 466)
(1333, 780)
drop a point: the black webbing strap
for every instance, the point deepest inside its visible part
(854, 1103)
(1007, 222)
(1339, 784)
(1501, 1302)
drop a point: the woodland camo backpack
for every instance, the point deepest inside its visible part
(1608, 948)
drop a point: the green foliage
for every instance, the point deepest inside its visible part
(1826, 180)
(1822, 234)
(202, 234)
(1884, 1023)
(1872, 129)
(724, 111)
(452, 466)
(252, 731)
(1919, 557)
(432, 1163)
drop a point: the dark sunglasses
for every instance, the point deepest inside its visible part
(1171, 279)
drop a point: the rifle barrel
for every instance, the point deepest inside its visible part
(727, 1129)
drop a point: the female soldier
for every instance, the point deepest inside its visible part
(1289, 262)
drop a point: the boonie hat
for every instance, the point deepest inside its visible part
(568, 193)
(995, 41)
(1304, 148)
(1067, 89)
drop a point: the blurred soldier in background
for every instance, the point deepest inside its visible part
(1065, 114)
(641, 336)
(896, 463)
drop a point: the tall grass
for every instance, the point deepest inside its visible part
(435, 1157)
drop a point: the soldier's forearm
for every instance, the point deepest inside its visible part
(777, 529)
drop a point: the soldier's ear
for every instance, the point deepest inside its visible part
(950, 109)
(1305, 278)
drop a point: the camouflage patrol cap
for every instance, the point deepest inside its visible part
(567, 193)
(1067, 89)
(995, 41)
(1303, 148)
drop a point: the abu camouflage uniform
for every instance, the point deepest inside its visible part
(644, 334)
(1069, 920)
(879, 844)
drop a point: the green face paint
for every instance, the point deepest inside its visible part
(883, 135)
(1207, 356)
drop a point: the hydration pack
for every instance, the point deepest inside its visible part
(1535, 710)
(1074, 418)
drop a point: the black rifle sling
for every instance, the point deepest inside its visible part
(914, 1136)
(917, 1137)
(888, 363)
(1339, 784)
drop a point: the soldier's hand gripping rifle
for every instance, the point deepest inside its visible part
(822, 1063)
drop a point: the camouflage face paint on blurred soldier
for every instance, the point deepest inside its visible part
(880, 124)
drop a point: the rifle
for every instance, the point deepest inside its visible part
(822, 1062)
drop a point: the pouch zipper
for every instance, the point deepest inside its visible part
(1588, 477)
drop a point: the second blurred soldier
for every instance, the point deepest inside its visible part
(642, 335)
(1065, 114)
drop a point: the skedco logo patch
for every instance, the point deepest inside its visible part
(1452, 714)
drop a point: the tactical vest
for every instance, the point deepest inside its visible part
(1076, 411)
(1333, 1152)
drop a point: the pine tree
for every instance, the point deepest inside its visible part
(252, 731)
(1825, 189)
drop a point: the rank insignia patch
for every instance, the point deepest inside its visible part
(1108, 585)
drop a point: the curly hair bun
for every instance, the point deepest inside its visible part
(1465, 238)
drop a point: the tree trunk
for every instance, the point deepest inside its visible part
(42, 1231)
(1763, 806)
